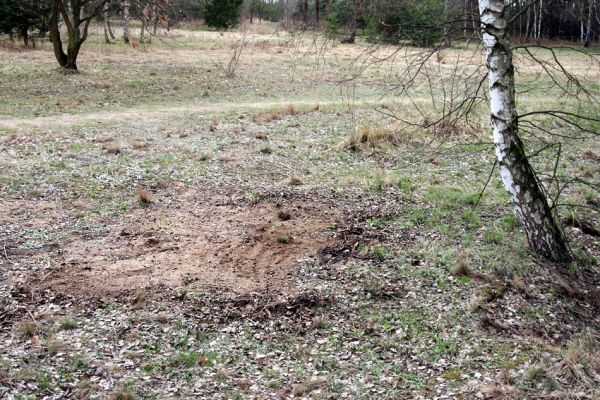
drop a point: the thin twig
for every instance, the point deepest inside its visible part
(486, 184)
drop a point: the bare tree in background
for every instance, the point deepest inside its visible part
(105, 22)
(126, 21)
(77, 16)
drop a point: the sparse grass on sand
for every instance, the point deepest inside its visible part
(168, 232)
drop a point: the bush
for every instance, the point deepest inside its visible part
(222, 14)
(418, 23)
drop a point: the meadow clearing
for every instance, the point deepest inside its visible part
(170, 228)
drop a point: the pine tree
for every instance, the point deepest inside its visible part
(22, 17)
(222, 14)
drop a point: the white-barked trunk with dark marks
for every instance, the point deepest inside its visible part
(543, 232)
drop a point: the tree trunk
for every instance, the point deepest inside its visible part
(304, 12)
(105, 23)
(588, 30)
(59, 53)
(77, 30)
(527, 25)
(110, 30)
(543, 231)
(466, 19)
(25, 36)
(126, 21)
(541, 16)
(142, 31)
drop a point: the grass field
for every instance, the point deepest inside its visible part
(169, 230)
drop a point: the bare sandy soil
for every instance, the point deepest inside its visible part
(200, 241)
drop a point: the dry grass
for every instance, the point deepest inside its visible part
(579, 370)
(11, 138)
(589, 154)
(266, 150)
(13, 46)
(519, 284)
(372, 137)
(270, 116)
(111, 148)
(295, 181)
(212, 126)
(485, 295)
(136, 144)
(447, 128)
(26, 328)
(122, 395)
(462, 267)
(144, 197)
(581, 359)
(304, 388)
(4, 375)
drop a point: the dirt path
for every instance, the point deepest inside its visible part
(137, 113)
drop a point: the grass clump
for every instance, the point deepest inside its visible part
(493, 235)
(112, 148)
(284, 239)
(581, 359)
(284, 215)
(462, 267)
(43, 381)
(379, 252)
(509, 222)
(370, 138)
(295, 181)
(68, 324)
(253, 197)
(271, 116)
(144, 197)
(27, 328)
(266, 150)
(449, 197)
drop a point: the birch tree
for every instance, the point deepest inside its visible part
(107, 32)
(126, 21)
(541, 227)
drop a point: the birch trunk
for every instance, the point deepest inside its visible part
(527, 26)
(588, 29)
(126, 21)
(543, 232)
(541, 15)
(105, 23)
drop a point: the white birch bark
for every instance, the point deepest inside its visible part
(126, 21)
(543, 232)
(105, 22)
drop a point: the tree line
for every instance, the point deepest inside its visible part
(421, 23)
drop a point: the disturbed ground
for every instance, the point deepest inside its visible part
(177, 233)
(209, 242)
